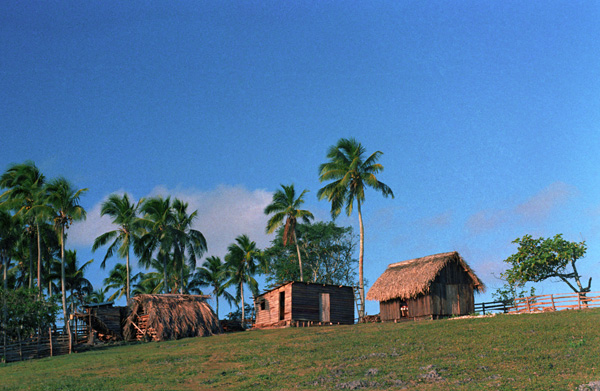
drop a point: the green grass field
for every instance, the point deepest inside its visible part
(550, 351)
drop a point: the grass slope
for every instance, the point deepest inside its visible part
(550, 351)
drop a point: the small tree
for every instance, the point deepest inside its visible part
(540, 259)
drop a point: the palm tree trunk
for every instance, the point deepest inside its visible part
(166, 286)
(181, 287)
(62, 285)
(242, 295)
(127, 293)
(5, 286)
(39, 264)
(299, 258)
(217, 306)
(30, 264)
(361, 254)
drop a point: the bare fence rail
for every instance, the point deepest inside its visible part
(556, 302)
(501, 305)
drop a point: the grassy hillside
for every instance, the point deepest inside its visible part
(550, 351)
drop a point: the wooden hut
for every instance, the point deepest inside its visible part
(304, 304)
(103, 320)
(171, 316)
(435, 286)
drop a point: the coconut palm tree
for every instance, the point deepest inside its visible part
(350, 173)
(186, 240)
(64, 201)
(96, 297)
(242, 260)
(285, 207)
(158, 221)
(75, 281)
(213, 273)
(119, 279)
(26, 195)
(124, 215)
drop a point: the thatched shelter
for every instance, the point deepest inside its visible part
(435, 286)
(164, 317)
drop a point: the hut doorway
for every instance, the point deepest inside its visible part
(281, 305)
(324, 308)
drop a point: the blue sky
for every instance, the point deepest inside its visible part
(488, 115)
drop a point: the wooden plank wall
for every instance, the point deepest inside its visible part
(302, 304)
(305, 302)
(270, 315)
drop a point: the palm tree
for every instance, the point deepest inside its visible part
(148, 283)
(158, 221)
(213, 273)
(285, 206)
(118, 279)
(124, 215)
(75, 281)
(64, 200)
(242, 262)
(26, 195)
(186, 239)
(96, 297)
(350, 174)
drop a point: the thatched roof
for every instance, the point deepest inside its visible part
(408, 279)
(170, 317)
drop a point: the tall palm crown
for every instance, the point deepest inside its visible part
(186, 240)
(242, 261)
(285, 206)
(25, 194)
(350, 174)
(213, 273)
(158, 220)
(124, 215)
(119, 279)
(63, 199)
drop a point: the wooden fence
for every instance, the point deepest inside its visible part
(556, 302)
(501, 305)
(37, 347)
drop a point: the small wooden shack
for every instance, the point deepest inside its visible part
(170, 316)
(435, 286)
(304, 304)
(103, 320)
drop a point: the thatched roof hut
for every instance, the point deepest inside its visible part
(439, 284)
(171, 316)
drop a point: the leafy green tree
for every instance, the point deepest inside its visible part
(243, 260)
(64, 201)
(213, 273)
(187, 242)
(26, 312)
(118, 279)
(285, 206)
(350, 172)
(541, 259)
(328, 251)
(124, 215)
(158, 221)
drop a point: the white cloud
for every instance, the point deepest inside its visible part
(538, 208)
(223, 214)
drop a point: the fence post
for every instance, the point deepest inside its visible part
(528, 306)
(553, 307)
(579, 300)
(483, 308)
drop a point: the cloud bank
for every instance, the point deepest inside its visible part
(223, 214)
